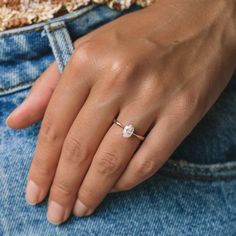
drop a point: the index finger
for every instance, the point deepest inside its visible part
(62, 109)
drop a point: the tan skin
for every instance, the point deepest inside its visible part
(160, 68)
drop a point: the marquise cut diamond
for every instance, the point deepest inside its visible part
(128, 131)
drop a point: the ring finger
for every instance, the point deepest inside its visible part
(110, 160)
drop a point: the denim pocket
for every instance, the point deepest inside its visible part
(183, 169)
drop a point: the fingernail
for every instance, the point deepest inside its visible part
(6, 121)
(14, 111)
(32, 192)
(10, 115)
(56, 213)
(81, 210)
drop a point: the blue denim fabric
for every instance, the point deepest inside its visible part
(193, 194)
(60, 42)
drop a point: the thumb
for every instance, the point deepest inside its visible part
(33, 107)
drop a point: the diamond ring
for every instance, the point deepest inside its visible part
(128, 130)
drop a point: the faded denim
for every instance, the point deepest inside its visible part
(193, 194)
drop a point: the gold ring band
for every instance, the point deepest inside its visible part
(128, 130)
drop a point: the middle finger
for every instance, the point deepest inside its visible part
(80, 144)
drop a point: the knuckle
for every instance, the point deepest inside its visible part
(48, 131)
(108, 164)
(88, 195)
(124, 65)
(190, 106)
(188, 102)
(146, 168)
(61, 189)
(122, 71)
(84, 52)
(40, 169)
(74, 151)
(79, 42)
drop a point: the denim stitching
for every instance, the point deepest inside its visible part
(67, 44)
(204, 172)
(60, 42)
(196, 177)
(54, 45)
(58, 53)
(53, 28)
(17, 88)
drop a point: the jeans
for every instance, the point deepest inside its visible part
(194, 193)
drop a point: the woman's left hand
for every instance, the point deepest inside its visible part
(160, 69)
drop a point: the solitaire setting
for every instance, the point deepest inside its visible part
(128, 130)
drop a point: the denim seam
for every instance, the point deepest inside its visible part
(53, 28)
(66, 45)
(60, 42)
(57, 48)
(219, 167)
(17, 88)
(196, 177)
(205, 172)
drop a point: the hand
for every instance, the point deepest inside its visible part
(161, 75)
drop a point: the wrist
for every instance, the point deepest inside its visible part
(218, 17)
